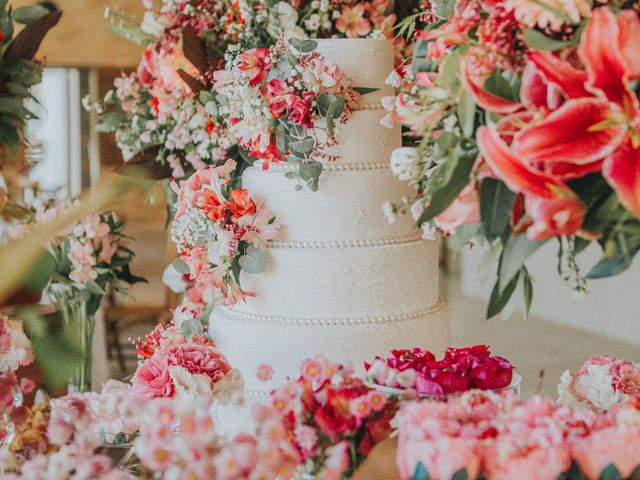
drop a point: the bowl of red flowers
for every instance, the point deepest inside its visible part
(417, 372)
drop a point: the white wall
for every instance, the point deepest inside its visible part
(612, 307)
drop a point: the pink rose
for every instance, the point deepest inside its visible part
(619, 446)
(199, 359)
(152, 379)
(533, 455)
(442, 457)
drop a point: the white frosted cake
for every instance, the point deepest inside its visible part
(341, 281)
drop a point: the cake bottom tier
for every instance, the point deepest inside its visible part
(249, 344)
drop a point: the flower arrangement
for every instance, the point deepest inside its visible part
(114, 414)
(460, 370)
(179, 359)
(282, 103)
(85, 260)
(330, 417)
(524, 116)
(602, 382)
(182, 441)
(220, 231)
(15, 347)
(484, 435)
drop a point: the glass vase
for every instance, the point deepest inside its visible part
(78, 311)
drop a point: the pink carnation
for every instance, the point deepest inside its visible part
(619, 446)
(199, 359)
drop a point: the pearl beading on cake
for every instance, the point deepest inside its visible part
(414, 237)
(333, 322)
(333, 167)
(372, 106)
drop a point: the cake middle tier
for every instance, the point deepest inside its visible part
(338, 282)
(348, 205)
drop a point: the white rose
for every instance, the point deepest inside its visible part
(288, 18)
(596, 387)
(406, 163)
(151, 25)
(407, 378)
(230, 389)
(173, 279)
(191, 386)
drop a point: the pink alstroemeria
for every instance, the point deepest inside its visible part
(255, 63)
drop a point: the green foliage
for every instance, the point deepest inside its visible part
(30, 14)
(496, 203)
(611, 473)
(303, 46)
(516, 250)
(254, 260)
(421, 472)
(537, 40)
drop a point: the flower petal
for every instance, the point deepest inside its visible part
(486, 100)
(553, 217)
(536, 92)
(572, 134)
(518, 176)
(629, 39)
(570, 80)
(622, 171)
(599, 50)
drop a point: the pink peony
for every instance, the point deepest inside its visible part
(619, 446)
(533, 455)
(441, 457)
(199, 359)
(152, 379)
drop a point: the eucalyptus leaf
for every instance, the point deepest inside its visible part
(303, 46)
(334, 112)
(254, 260)
(181, 266)
(211, 108)
(324, 102)
(29, 14)
(619, 253)
(444, 8)
(516, 251)
(420, 62)
(303, 147)
(189, 328)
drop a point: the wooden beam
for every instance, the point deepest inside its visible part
(82, 38)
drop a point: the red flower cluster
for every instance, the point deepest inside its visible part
(460, 369)
(334, 419)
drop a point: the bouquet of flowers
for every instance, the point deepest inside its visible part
(485, 435)
(220, 231)
(602, 382)
(329, 416)
(525, 117)
(179, 359)
(114, 414)
(159, 123)
(460, 370)
(282, 103)
(85, 260)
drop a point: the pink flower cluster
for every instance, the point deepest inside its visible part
(326, 422)
(602, 382)
(265, 94)
(15, 347)
(112, 416)
(460, 370)
(489, 434)
(182, 441)
(217, 228)
(70, 453)
(173, 365)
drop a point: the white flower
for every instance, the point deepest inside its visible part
(407, 378)
(565, 397)
(230, 390)
(593, 387)
(416, 210)
(151, 25)
(406, 163)
(389, 212)
(288, 19)
(313, 23)
(218, 250)
(188, 385)
(174, 280)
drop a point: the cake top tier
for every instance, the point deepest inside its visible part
(367, 61)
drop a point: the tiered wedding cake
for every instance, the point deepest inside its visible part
(341, 281)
